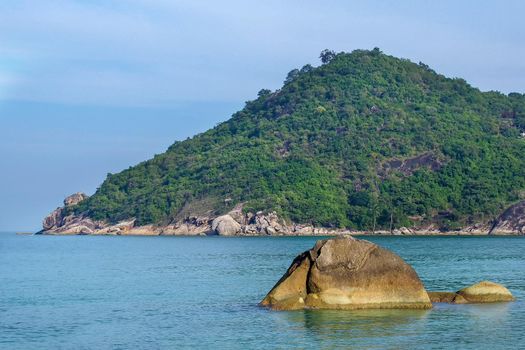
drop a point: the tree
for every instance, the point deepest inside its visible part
(292, 75)
(264, 92)
(376, 51)
(326, 56)
(307, 68)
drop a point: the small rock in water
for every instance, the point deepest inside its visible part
(486, 292)
(482, 292)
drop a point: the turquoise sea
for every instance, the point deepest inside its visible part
(85, 292)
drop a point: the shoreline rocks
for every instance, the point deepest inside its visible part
(347, 273)
(225, 225)
(238, 223)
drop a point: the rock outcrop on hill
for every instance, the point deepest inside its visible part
(60, 221)
(347, 273)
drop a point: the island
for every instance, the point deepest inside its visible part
(364, 143)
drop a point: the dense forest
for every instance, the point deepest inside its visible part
(365, 140)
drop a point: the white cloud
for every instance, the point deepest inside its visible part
(155, 52)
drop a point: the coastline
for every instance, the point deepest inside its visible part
(237, 222)
(151, 230)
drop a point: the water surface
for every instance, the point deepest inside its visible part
(87, 292)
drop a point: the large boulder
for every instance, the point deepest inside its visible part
(511, 221)
(482, 292)
(54, 219)
(347, 273)
(225, 225)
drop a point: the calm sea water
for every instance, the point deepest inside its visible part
(84, 292)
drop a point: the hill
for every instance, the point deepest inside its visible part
(365, 141)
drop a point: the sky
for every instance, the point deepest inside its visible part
(92, 87)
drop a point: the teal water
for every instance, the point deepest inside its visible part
(84, 292)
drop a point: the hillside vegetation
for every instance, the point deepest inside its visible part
(363, 141)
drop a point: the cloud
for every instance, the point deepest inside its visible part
(140, 52)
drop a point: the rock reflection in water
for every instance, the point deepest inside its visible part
(345, 325)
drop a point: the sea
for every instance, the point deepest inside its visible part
(121, 292)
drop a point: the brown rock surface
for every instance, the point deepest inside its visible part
(74, 199)
(482, 292)
(511, 221)
(347, 273)
(54, 219)
(225, 225)
(486, 292)
(442, 297)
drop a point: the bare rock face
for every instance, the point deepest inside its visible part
(262, 224)
(237, 214)
(225, 225)
(74, 199)
(56, 218)
(511, 221)
(347, 273)
(482, 292)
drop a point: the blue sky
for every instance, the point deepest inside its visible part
(91, 87)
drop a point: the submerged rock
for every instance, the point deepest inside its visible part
(482, 292)
(347, 273)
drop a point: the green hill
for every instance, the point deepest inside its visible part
(358, 142)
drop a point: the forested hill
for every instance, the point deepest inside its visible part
(363, 139)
